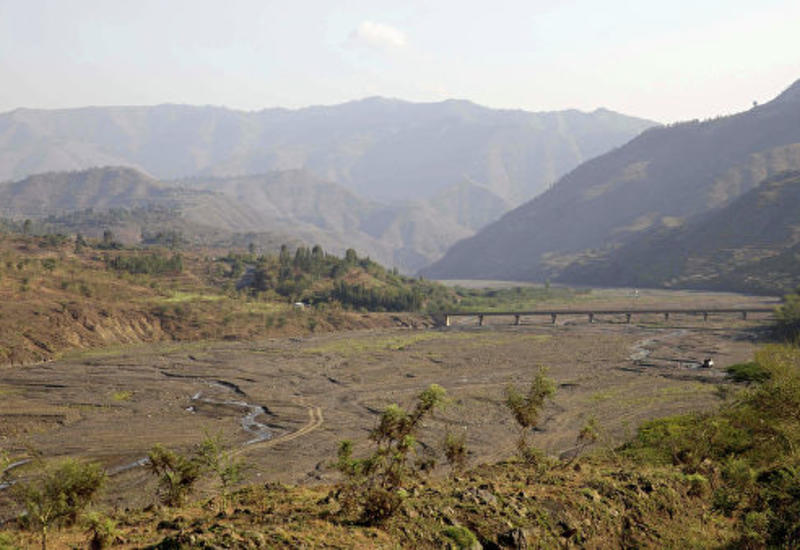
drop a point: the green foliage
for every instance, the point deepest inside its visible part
(752, 442)
(588, 435)
(222, 464)
(374, 486)
(57, 494)
(461, 537)
(510, 299)
(102, 530)
(176, 474)
(151, 264)
(296, 278)
(172, 239)
(788, 316)
(526, 409)
(747, 372)
(455, 450)
(7, 542)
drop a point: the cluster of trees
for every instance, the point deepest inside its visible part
(373, 299)
(150, 264)
(295, 276)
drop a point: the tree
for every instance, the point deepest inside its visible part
(26, 226)
(58, 494)
(80, 243)
(176, 474)
(526, 409)
(228, 469)
(375, 485)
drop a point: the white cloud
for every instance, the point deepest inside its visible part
(377, 35)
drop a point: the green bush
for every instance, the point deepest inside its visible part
(57, 494)
(526, 408)
(747, 372)
(176, 474)
(461, 537)
(752, 442)
(374, 486)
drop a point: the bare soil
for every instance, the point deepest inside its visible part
(284, 404)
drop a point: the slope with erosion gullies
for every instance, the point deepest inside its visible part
(660, 178)
(382, 148)
(751, 245)
(58, 295)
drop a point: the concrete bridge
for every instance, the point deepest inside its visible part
(592, 313)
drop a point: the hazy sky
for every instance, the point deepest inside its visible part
(666, 60)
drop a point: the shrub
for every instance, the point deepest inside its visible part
(176, 474)
(455, 450)
(374, 486)
(747, 372)
(526, 409)
(461, 537)
(57, 494)
(222, 464)
(102, 530)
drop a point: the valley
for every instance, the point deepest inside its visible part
(283, 404)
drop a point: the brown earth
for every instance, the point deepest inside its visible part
(113, 406)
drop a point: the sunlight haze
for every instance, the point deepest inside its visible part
(663, 61)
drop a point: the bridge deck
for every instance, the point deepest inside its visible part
(592, 313)
(694, 310)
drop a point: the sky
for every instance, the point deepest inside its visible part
(663, 60)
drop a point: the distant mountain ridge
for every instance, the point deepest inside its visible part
(661, 178)
(398, 181)
(380, 148)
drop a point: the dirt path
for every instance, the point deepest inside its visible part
(315, 420)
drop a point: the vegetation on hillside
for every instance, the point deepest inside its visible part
(312, 276)
(750, 245)
(64, 292)
(723, 479)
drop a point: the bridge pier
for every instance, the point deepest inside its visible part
(744, 316)
(480, 320)
(553, 318)
(447, 320)
(628, 318)
(516, 320)
(666, 315)
(705, 316)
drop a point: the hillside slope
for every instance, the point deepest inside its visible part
(752, 245)
(659, 179)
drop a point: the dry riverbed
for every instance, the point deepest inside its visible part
(285, 403)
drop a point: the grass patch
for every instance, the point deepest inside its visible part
(178, 297)
(747, 372)
(124, 395)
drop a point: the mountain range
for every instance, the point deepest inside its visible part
(666, 178)
(398, 181)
